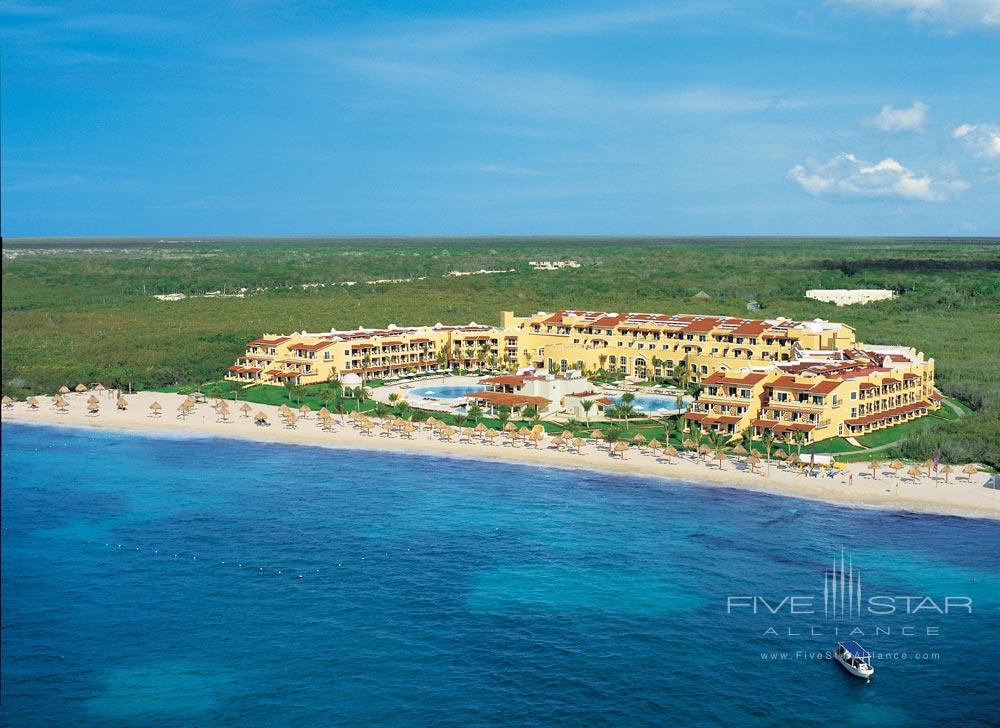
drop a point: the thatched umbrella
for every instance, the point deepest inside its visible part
(655, 445)
(874, 465)
(780, 454)
(753, 460)
(260, 418)
(915, 472)
(291, 420)
(93, 400)
(246, 409)
(947, 470)
(670, 451)
(929, 464)
(525, 431)
(558, 442)
(739, 450)
(510, 427)
(492, 435)
(93, 408)
(156, 408)
(620, 448)
(578, 443)
(122, 403)
(322, 412)
(183, 408)
(7, 402)
(794, 459)
(970, 470)
(596, 434)
(80, 388)
(704, 450)
(689, 444)
(62, 405)
(64, 389)
(897, 465)
(99, 387)
(32, 402)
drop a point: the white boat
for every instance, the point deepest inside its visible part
(855, 659)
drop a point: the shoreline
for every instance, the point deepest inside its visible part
(930, 495)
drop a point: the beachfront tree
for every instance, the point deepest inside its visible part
(394, 398)
(289, 386)
(503, 414)
(460, 420)
(746, 439)
(679, 428)
(800, 438)
(340, 407)
(404, 410)
(475, 413)
(587, 405)
(380, 410)
(719, 442)
(767, 440)
(602, 359)
(366, 365)
(612, 435)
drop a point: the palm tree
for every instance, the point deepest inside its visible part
(719, 442)
(602, 360)
(767, 440)
(746, 439)
(587, 405)
(366, 363)
(461, 420)
(394, 398)
(612, 435)
(289, 386)
(340, 407)
(404, 409)
(625, 408)
(380, 410)
(475, 412)
(657, 366)
(682, 373)
(678, 428)
(799, 437)
(503, 414)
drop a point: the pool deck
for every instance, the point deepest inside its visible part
(442, 404)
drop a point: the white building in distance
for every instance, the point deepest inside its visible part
(849, 296)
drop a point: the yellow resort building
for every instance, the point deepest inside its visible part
(773, 375)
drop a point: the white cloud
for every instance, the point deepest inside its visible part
(983, 140)
(892, 119)
(847, 176)
(949, 14)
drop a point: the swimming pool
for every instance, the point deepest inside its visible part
(445, 391)
(653, 404)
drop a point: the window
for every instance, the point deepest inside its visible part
(854, 395)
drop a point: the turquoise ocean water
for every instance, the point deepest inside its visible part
(173, 582)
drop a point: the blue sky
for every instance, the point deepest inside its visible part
(841, 117)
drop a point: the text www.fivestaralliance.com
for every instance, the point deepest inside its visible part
(883, 656)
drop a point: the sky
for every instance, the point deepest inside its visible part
(250, 117)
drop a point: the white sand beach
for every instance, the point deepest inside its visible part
(855, 486)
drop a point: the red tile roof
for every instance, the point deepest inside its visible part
(748, 379)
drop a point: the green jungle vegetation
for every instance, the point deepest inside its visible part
(83, 310)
